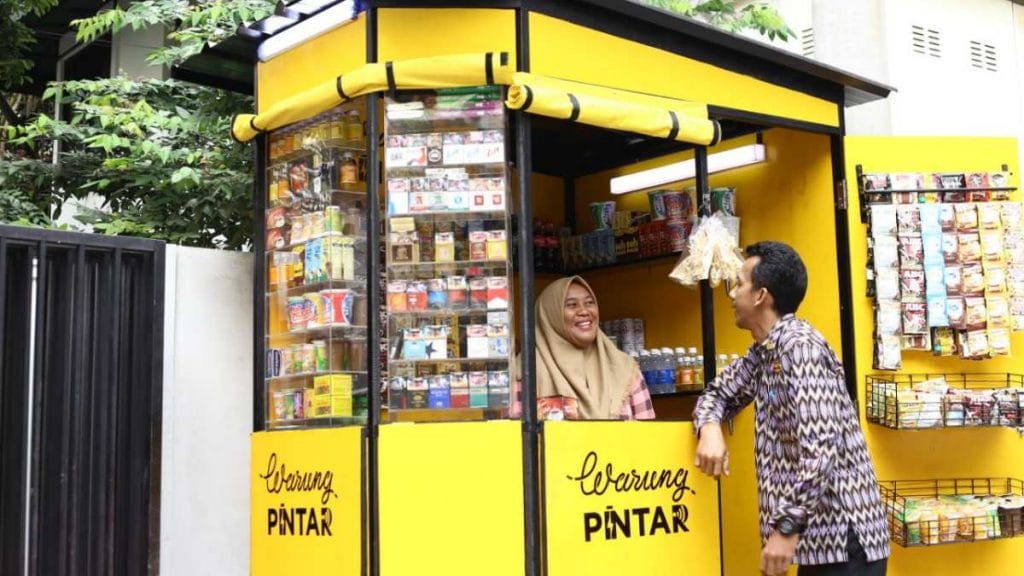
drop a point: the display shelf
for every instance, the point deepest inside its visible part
(954, 190)
(494, 168)
(445, 312)
(922, 401)
(309, 375)
(329, 331)
(678, 393)
(357, 284)
(489, 264)
(321, 422)
(649, 260)
(319, 147)
(455, 216)
(953, 511)
(291, 246)
(323, 194)
(488, 360)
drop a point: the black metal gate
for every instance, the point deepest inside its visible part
(81, 361)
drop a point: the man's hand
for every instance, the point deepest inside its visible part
(777, 555)
(712, 454)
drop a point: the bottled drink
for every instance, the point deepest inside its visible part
(668, 371)
(654, 369)
(733, 358)
(698, 368)
(644, 359)
(723, 361)
(682, 361)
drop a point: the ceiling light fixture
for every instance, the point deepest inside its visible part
(314, 26)
(717, 162)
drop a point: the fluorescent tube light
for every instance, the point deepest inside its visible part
(717, 162)
(323, 22)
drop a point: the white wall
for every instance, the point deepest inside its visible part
(207, 413)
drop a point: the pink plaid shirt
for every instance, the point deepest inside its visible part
(637, 407)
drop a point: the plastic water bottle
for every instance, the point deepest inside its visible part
(723, 361)
(697, 362)
(668, 371)
(644, 359)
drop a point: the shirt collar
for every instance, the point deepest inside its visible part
(772, 340)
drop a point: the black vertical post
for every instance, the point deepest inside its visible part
(530, 428)
(707, 296)
(841, 191)
(373, 373)
(259, 287)
(37, 380)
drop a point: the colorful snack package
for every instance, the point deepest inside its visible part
(950, 247)
(934, 280)
(915, 317)
(905, 181)
(397, 298)
(953, 276)
(973, 279)
(995, 280)
(929, 215)
(969, 248)
(955, 312)
(912, 284)
(999, 342)
(1017, 313)
(989, 216)
(875, 181)
(937, 312)
(975, 313)
(908, 220)
(991, 245)
(883, 220)
(978, 196)
(886, 252)
(947, 217)
(998, 312)
(943, 342)
(911, 251)
(1015, 280)
(977, 180)
(977, 347)
(931, 243)
(966, 217)
(887, 353)
(1010, 214)
(920, 342)
(1013, 246)
(888, 320)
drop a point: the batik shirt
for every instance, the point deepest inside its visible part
(812, 461)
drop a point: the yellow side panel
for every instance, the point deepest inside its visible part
(318, 60)
(787, 198)
(625, 498)
(451, 499)
(564, 50)
(950, 453)
(417, 33)
(307, 503)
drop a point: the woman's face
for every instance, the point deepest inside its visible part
(580, 315)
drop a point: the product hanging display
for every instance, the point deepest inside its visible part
(946, 265)
(316, 271)
(448, 265)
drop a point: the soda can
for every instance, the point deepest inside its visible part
(320, 355)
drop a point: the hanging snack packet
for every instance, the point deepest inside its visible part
(1017, 313)
(921, 342)
(908, 220)
(995, 280)
(912, 284)
(931, 243)
(888, 320)
(998, 312)
(955, 312)
(953, 276)
(973, 282)
(989, 216)
(966, 217)
(950, 247)
(886, 252)
(915, 317)
(947, 217)
(991, 245)
(883, 220)
(1013, 246)
(887, 284)
(975, 313)
(1010, 214)
(969, 249)
(887, 353)
(937, 312)
(999, 342)
(977, 344)
(1015, 280)
(911, 251)
(929, 214)
(943, 342)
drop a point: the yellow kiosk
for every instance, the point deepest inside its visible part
(404, 150)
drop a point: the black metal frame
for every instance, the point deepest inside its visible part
(628, 21)
(94, 401)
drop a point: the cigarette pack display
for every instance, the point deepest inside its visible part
(497, 292)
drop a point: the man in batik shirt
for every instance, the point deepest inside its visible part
(818, 496)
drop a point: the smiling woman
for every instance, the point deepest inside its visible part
(580, 372)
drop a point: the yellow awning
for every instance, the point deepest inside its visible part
(613, 109)
(595, 105)
(451, 71)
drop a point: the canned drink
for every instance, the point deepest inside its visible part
(339, 302)
(677, 233)
(307, 358)
(279, 408)
(314, 309)
(289, 405)
(297, 313)
(320, 355)
(657, 199)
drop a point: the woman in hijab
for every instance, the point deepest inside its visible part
(578, 368)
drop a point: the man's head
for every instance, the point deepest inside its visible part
(772, 283)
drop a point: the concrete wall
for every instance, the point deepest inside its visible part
(207, 418)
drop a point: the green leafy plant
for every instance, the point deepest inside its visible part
(158, 152)
(16, 38)
(726, 14)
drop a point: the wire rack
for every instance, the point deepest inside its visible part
(945, 400)
(951, 511)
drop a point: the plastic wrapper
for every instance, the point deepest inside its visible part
(887, 353)
(1010, 214)
(989, 216)
(915, 317)
(999, 342)
(911, 251)
(966, 217)
(950, 247)
(712, 255)
(991, 245)
(918, 342)
(995, 280)
(888, 319)
(998, 308)
(883, 220)
(943, 342)
(908, 220)
(1013, 246)
(953, 276)
(887, 284)
(947, 217)
(937, 312)
(969, 247)
(931, 243)
(975, 313)
(886, 252)
(973, 279)
(955, 312)
(934, 280)
(912, 284)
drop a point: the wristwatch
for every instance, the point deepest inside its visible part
(788, 526)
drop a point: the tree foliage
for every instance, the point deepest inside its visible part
(159, 153)
(16, 38)
(731, 15)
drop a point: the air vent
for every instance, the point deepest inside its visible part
(807, 42)
(926, 41)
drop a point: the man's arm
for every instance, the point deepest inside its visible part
(723, 397)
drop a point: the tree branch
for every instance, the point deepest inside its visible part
(12, 117)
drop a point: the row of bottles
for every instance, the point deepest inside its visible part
(668, 370)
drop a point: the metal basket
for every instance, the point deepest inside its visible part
(934, 512)
(989, 399)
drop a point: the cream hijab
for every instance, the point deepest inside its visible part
(598, 376)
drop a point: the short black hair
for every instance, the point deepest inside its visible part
(782, 272)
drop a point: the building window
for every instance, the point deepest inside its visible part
(926, 41)
(983, 56)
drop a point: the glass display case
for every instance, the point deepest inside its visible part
(447, 252)
(316, 278)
